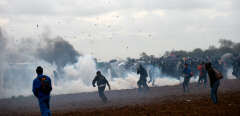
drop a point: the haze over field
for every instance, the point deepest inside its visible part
(71, 71)
(19, 60)
(68, 37)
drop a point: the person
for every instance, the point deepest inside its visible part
(41, 89)
(187, 74)
(202, 74)
(214, 82)
(142, 82)
(236, 67)
(101, 83)
(154, 72)
(152, 75)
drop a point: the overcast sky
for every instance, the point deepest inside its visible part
(124, 28)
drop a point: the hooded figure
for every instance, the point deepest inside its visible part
(101, 83)
(41, 89)
(142, 82)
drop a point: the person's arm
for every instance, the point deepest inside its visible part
(50, 82)
(94, 81)
(109, 87)
(35, 89)
(150, 76)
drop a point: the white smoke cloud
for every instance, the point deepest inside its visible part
(229, 74)
(77, 77)
(128, 82)
(19, 60)
(166, 81)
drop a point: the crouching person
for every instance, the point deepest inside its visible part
(101, 83)
(42, 88)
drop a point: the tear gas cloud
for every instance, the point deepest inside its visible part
(70, 71)
(57, 51)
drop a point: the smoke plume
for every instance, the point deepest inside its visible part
(57, 51)
(73, 72)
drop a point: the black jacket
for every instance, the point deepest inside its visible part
(212, 76)
(100, 80)
(143, 73)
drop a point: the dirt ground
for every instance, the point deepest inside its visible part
(164, 101)
(191, 105)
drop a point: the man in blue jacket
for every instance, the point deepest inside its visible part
(187, 74)
(42, 88)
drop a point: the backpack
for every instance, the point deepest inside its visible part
(218, 74)
(45, 85)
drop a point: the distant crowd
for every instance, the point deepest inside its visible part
(209, 69)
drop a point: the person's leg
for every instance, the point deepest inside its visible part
(216, 89)
(205, 81)
(213, 95)
(153, 82)
(44, 107)
(199, 81)
(139, 83)
(234, 71)
(214, 92)
(184, 84)
(41, 107)
(48, 106)
(101, 93)
(145, 85)
(187, 83)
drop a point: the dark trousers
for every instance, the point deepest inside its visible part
(214, 89)
(142, 84)
(185, 84)
(101, 93)
(202, 79)
(44, 106)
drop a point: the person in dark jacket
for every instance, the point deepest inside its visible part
(214, 82)
(41, 89)
(101, 83)
(142, 82)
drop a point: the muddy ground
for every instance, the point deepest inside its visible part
(166, 101)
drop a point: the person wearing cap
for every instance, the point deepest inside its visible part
(41, 89)
(101, 83)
